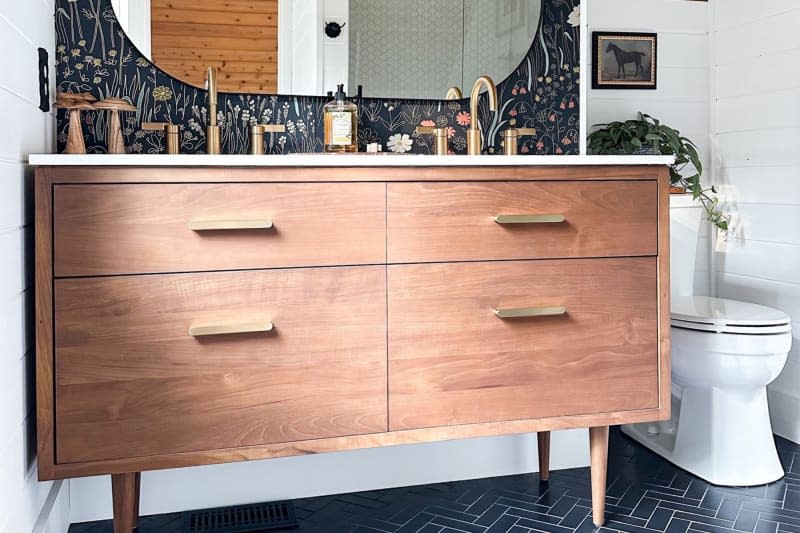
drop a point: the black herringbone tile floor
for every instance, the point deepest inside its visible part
(645, 495)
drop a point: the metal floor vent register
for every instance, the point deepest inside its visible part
(254, 518)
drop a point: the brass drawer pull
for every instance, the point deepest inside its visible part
(209, 224)
(529, 219)
(230, 328)
(526, 312)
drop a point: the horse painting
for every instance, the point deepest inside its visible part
(623, 58)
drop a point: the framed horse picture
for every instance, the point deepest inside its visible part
(624, 60)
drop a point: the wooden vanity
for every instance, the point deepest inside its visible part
(191, 315)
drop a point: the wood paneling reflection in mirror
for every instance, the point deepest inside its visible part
(239, 37)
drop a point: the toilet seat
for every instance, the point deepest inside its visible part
(720, 315)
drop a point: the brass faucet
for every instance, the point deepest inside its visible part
(454, 93)
(213, 131)
(474, 140)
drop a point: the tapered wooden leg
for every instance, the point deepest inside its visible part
(124, 488)
(137, 491)
(598, 448)
(543, 438)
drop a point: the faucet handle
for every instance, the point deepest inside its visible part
(172, 133)
(454, 93)
(511, 138)
(440, 137)
(257, 136)
(274, 128)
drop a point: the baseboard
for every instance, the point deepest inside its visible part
(54, 516)
(784, 411)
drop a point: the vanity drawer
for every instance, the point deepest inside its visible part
(431, 222)
(453, 361)
(145, 228)
(130, 379)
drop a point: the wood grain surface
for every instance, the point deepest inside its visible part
(452, 361)
(43, 279)
(131, 381)
(130, 174)
(123, 362)
(187, 34)
(134, 229)
(430, 222)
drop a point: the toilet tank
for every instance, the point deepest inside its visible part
(685, 219)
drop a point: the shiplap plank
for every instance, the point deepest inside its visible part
(32, 132)
(13, 278)
(763, 260)
(674, 83)
(17, 192)
(242, 6)
(746, 77)
(759, 185)
(738, 13)
(739, 113)
(187, 37)
(758, 39)
(25, 26)
(766, 223)
(663, 16)
(763, 148)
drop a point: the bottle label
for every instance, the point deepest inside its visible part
(341, 128)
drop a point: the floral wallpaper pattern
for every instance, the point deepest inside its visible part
(94, 55)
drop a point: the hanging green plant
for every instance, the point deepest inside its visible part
(647, 135)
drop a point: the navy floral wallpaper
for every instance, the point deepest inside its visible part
(94, 55)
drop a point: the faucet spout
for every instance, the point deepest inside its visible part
(213, 132)
(474, 139)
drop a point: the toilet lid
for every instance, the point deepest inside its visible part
(720, 315)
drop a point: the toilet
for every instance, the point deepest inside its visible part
(724, 354)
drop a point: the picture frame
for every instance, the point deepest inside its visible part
(624, 60)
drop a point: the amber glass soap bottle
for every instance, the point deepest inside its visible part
(341, 124)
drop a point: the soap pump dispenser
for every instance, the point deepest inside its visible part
(341, 124)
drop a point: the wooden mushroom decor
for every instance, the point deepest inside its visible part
(116, 142)
(75, 103)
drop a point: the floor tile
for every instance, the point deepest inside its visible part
(646, 495)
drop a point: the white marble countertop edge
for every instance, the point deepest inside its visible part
(339, 160)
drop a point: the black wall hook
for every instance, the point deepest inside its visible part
(334, 29)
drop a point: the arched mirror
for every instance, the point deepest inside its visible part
(395, 49)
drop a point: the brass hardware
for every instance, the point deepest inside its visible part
(257, 136)
(172, 134)
(440, 138)
(474, 138)
(154, 126)
(529, 219)
(213, 131)
(454, 93)
(511, 139)
(257, 140)
(230, 224)
(231, 328)
(274, 128)
(528, 312)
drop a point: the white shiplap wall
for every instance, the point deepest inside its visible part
(682, 97)
(25, 504)
(756, 137)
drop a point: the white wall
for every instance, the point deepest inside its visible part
(756, 136)
(682, 97)
(24, 502)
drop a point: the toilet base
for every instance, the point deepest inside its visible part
(723, 436)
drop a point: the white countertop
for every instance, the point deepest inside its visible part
(340, 160)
